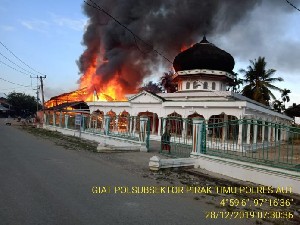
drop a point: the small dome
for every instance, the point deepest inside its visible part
(204, 55)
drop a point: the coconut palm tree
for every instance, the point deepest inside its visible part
(259, 81)
(285, 95)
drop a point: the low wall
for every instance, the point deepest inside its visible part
(103, 140)
(258, 174)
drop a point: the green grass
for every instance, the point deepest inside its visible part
(66, 141)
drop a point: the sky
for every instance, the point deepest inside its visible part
(47, 36)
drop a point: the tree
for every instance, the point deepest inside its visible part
(259, 81)
(285, 95)
(152, 87)
(236, 84)
(278, 106)
(166, 81)
(23, 105)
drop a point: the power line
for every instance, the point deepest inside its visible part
(20, 59)
(136, 37)
(14, 83)
(292, 5)
(14, 68)
(16, 64)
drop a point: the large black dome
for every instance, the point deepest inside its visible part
(204, 55)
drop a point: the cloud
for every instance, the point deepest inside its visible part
(74, 24)
(38, 25)
(269, 31)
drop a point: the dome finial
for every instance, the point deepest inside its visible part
(204, 41)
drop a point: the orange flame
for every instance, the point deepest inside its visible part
(98, 90)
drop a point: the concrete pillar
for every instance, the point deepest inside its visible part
(154, 123)
(66, 120)
(143, 133)
(240, 135)
(116, 124)
(159, 126)
(134, 125)
(254, 132)
(164, 125)
(90, 121)
(269, 131)
(106, 124)
(184, 129)
(273, 132)
(199, 142)
(248, 134)
(263, 131)
(60, 119)
(45, 122)
(130, 124)
(281, 132)
(54, 122)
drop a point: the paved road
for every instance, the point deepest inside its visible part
(42, 183)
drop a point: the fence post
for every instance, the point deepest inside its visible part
(106, 124)
(199, 137)
(143, 133)
(66, 120)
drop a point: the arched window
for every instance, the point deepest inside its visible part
(205, 85)
(213, 86)
(195, 85)
(187, 85)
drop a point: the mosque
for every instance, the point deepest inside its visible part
(203, 74)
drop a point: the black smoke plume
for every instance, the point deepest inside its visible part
(167, 25)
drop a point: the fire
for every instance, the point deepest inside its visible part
(185, 47)
(98, 90)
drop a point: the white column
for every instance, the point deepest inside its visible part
(143, 133)
(159, 126)
(90, 121)
(134, 125)
(273, 133)
(60, 119)
(263, 131)
(130, 124)
(254, 131)
(164, 125)
(184, 129)
(154, 124)
(269, 131)
(248, 131)
(240, 137)
(116, 124)
(66, 120)
(54, 122)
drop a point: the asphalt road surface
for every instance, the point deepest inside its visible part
(41, 183)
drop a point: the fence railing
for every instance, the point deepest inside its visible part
(250, 140)
(126, 127)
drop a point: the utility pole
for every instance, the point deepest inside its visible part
(42, 92)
